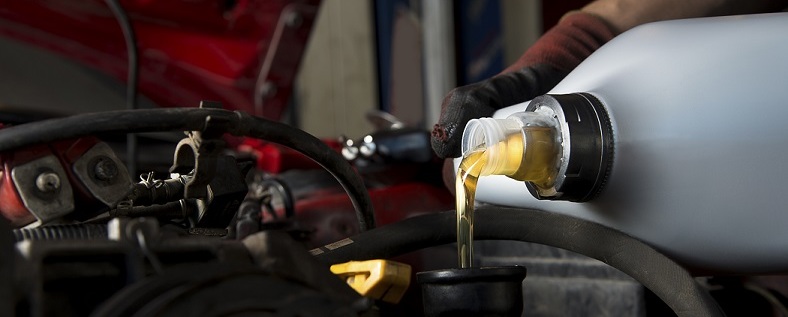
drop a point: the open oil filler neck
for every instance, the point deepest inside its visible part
(561, 146)
(486, 291)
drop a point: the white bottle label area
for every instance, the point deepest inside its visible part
(700, 169)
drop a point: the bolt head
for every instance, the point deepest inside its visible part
(268, 89)
(105, 169)
(293, 19)
(350, 152)
(48, 182)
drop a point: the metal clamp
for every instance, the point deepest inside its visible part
(198, 152)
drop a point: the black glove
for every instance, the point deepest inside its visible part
(541, 67)
(482, 99)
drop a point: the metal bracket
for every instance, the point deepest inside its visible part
(103, 174)
(44, 188)
(275, 81)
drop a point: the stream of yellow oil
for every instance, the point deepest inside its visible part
(465, 191)
(536, 165)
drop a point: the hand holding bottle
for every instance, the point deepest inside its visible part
(542, 66)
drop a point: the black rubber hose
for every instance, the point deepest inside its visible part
(668, 280)
(62, 232)
(147, 120)
(191, 119)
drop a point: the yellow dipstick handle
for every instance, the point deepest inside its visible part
(380, 279)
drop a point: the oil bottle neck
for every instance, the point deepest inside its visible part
(561, 146)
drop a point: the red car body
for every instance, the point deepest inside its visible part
(243, 53)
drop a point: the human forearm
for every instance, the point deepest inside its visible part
(623, 15)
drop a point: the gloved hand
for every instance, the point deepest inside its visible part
(542, 66)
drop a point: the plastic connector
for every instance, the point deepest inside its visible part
(379, 279)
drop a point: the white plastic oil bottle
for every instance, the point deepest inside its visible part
(674, 132)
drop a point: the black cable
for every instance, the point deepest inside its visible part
(132, 80)
(194, 119)
(668, 280)
(319, 152)
(161, 192)
(170, 210)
